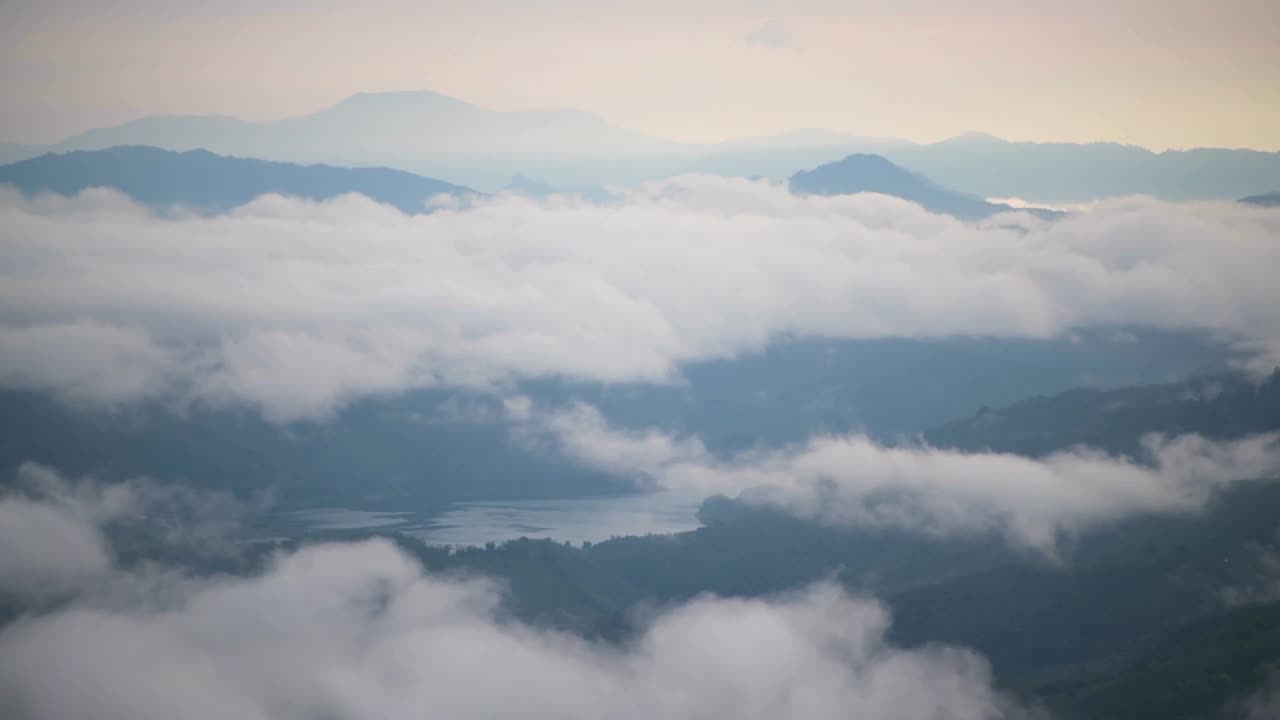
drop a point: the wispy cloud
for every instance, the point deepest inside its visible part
(853, 481)
(56, 530)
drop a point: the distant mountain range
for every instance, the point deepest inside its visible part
(420, 132)
(440, 136)
(205, 182)
(1067, 172)
(873, 173)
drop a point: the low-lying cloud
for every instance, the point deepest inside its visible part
(296, 307)
(50, 547)
(852, 480)
(359, 631)
(55, 531)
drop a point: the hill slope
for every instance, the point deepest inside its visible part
(203, 181)
(860, 173)
(1267, 200)
(1220, 406)
(1076, 172)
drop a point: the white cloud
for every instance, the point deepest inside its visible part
(297, 307)
(851, 480)
(54, 530)
(1017, 202)
(47, 549)
(359, 631)
(50, 530)
(85, 361)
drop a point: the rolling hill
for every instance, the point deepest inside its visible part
(1216, 406)
(860, 173)
(203, 181)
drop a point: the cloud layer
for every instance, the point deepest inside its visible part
(358, 630)
(295, 307)
(851, 480)
(51, 529)
(57, 532)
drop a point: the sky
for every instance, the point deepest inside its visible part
(1159, 74)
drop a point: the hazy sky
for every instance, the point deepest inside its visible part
(1168, 73)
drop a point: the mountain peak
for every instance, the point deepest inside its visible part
(869, 161)
(974, 137)
(859, 172)
(864, 172)
(401, 100)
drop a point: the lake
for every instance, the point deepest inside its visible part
(476, 523)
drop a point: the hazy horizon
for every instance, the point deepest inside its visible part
(1161, 76)
(777, 135)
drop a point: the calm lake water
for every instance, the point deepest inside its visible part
(476, 523)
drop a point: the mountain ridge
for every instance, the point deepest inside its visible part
(437, 135)
(863, 172)
(208, 182)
